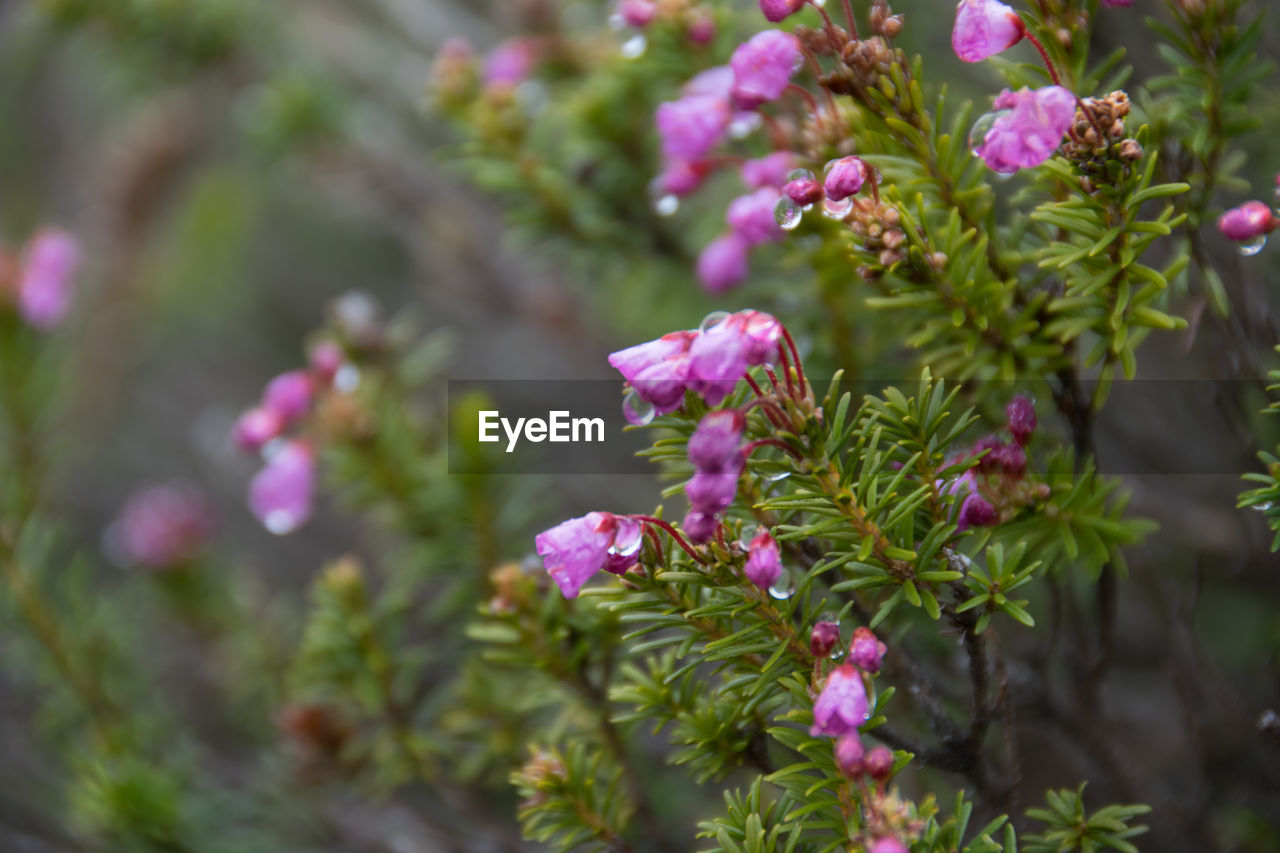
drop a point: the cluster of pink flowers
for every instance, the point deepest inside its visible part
(1030, 124)
(699, 26)
(281, 494)
(764, 560)
(1000, 464)
(708, 361)
(40, 283)
(576, 549)
(162, 527)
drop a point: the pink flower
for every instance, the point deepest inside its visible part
(717, 360)
(716, 444)
(1031, 131)
(1117, 2)
(777, 10)
(770, 170)
(887, 845)
(1021, 413)
(682, 177)
(699, 526)
(762, 67)
(709, 492)
(1249, 220)
(702, 30)
(764, 562)
(637, 13)
(842, 705)
(657, 370)
(44, 280)
(977, 511)
(803, 191)
(849, 755)
(845, 177)
(255, 428)
(624, 550)
(723, 263)
(280, 494)
(289, 395)
(751, 216)
(714, 82)
(691, 126)
(510, 64)
(162, 527)
(576, 549)
(325, 359)
(865, 651)
(762, 334)
(984, 28)
(879, 763)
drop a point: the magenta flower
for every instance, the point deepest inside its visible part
(845, 177)
(682, 177)
(984, 28)
(714, 82)
(842, 705)
(1021, 413)
(1117, 2)
(977, 511)
(254, 428)
(576, 549)
(1031, 131)
(762, 334)
(865, 651)
(624, 550)
(163, 527)
(716, 444)
(751, 216)
(764, 561)
(699, 526)
(723, 263)
(717, 360)
(637, 13)
(823, 638)
(702, 30)
(280, 494)
(770, 170)
(709, 492)
(777, 10)
(762, 67)
(691, 126)
(849, 755)
(289, 396)
(1249, 220)
(658, 370)
(44, 280)
(510, 64)
(803, 191)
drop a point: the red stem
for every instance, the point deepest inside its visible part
(773, 377)
(673, 533)
(786, 372)
(853, 24)
(657, 544)
(1044, 54)
(804, 93)
(772, 411)
(771, 442)
(791, 345)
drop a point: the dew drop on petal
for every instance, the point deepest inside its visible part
(1249, 248)
(715, 318)
(744, 124)
(981, 127)
(784, 586)
(637, 410)
(280, 522)
(799, 175)
(837, 652)
(787, 213)
(634, 47)
(837, 209)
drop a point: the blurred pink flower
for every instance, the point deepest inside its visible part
(45, 278)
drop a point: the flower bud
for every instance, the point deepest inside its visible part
(699, 526)
(45, 278)
(887, 845)
(1021, 413)
(710, 492)
(254, 428)
(1249, 220)
(325, 359)
(984, 28)
(702, 30)
(280, 494)
(289, 396)
(723, 263)
(803, 191)
(823, 639)
(977, 511)
(865, 651)
(850, 755)
(845, 178)
(776, 10)
(638, 13)
(715, 445)
(879, 763)
(764, 562)
(762, 67)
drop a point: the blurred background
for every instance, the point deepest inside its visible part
(231, 167)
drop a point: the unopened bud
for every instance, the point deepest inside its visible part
(850, 756)
(823, 639)
(892, 27)
(879, 764)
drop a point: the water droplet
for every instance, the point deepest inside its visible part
(630, 544)
(837, 209)
(281, 522)
(827, 616)
(837, 652)
(1249, 248)
(1265, 506)
(981, 127)
(637, 410)
(634, 47)
(787, 213)
(799, 175)
(784, 586)
(777, 476)
(347, 379)
(666, 205)
(743, 124)
(956, 560)
(748, 533)
(715, 318)
(617, 23)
